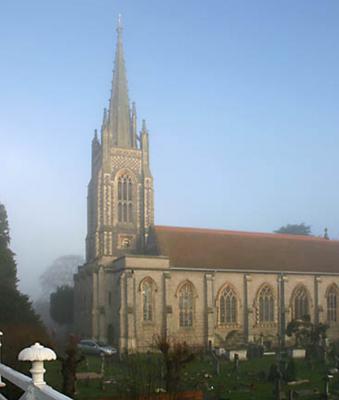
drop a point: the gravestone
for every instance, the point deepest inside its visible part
(278, 393)
(283, 366)
(215, 362)
(324, 345)
(160, 369)
(326, 380)
(336, 361)
(236, 362)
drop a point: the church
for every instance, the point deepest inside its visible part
(199, 285)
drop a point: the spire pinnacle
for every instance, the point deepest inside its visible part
(105, 117)
(144, 130)
(119, 109)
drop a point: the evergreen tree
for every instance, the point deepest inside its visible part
(295, 229)
(7, 263)
(16, 311)
(61, 305)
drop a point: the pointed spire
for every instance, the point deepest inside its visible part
(119, 109)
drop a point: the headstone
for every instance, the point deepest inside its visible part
(324, 345)
(278, 393)
(326, 380)
(160, 368)
(236, 362)
(242, 354)
(220, 351)
(296, 353)
(306, 392)
(261, 340)
(283, 366)
(215, 362)
(278, 356)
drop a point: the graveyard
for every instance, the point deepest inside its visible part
(270, 376)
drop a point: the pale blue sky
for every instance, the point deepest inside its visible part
(240, 98)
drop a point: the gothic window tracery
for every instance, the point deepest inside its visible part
(332, 304)
(147, 301)
(186, 306)
(227, 306)
(125, 198)
(266, 305)
(301, 303)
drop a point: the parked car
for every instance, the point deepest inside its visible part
(95, 348)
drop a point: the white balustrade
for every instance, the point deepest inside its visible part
(35, 387)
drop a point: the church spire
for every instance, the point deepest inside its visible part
(119, 110)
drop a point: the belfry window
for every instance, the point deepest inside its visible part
(125, 195)
(147, 301)
(227, 306)
(332, 304)
(300, 305)
(266, 305)
(186, 306)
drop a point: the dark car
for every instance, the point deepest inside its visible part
(95, 348)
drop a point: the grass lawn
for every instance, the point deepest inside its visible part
(142, 374)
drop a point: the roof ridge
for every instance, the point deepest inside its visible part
(241, 233)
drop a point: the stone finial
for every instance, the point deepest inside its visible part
(326, 234)
(144, 130)
(37, 354)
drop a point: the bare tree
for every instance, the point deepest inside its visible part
(176, 355)
(59, 273)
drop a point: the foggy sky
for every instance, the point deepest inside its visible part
(240, 99)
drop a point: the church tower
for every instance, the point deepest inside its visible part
(120, 193)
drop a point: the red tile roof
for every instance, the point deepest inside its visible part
(218, 249)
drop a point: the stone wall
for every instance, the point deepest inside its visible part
(118, 305)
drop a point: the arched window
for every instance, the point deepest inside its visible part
(186, 306)
(332, 308)
(125, 193)
(227, 306)
(301, 306)
(147, 301)
(266, 305)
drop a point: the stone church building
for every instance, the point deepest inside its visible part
(199, 285)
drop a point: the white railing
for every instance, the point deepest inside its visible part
(35, 388)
